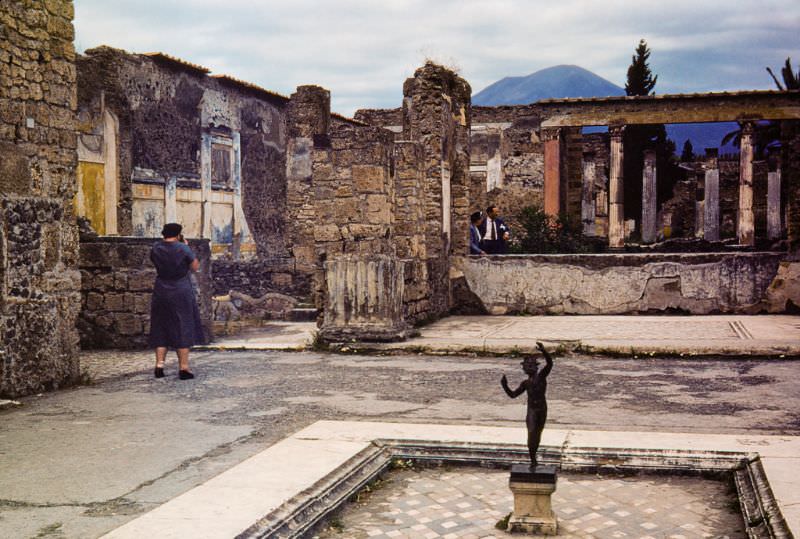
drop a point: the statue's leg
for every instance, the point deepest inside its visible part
(535, 422)
(533, 445)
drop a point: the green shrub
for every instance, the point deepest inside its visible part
(542, 233)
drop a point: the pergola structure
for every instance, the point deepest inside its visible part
(745, 107)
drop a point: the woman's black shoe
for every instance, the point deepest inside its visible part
(185, 375)
(159, 372)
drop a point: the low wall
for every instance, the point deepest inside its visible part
(620, 283)
(258, 276)
(117, 280)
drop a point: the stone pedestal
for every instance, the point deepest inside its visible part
(532, 489)
(364, 299)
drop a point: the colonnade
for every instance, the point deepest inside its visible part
(710, 214)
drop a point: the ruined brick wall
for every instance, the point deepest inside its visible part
(259, 276)
(677, 215)
(353, 195)
(165, 107)
(437, 114)
(409, 230)
(39, 279)
(117, 280)
(308, 121)
(381, 117)
(728, 194)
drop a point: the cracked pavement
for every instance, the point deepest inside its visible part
(82, 461)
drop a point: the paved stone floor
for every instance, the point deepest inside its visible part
(466, 504)
(82, 461)
(738, 335)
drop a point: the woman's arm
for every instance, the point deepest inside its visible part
(195, 265)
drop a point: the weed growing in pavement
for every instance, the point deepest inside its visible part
(502, 524)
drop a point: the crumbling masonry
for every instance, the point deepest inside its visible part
(39, 279)
(362, 222)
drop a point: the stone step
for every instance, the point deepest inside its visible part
(303, 314)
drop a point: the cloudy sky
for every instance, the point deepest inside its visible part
(362, 50)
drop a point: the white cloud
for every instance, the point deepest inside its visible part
(362, 50)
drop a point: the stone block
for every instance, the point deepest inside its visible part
(281, 280)
(369, 178)
(94, 301)
(15, 177)
(114, 302)
(141, 303)
(532, 490)
(121, 281)
(128, 324)
(142, 280)
(329, 232)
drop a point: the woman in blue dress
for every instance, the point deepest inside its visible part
(174, 316)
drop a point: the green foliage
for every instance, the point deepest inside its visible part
(502, 524)
(542, 233)
(688, 151)
(766, 136)
(640, 79)
(791, 81)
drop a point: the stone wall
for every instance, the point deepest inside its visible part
(117, 280)
(205, 150)
(39, 279)
(622, 284)
(437, 115)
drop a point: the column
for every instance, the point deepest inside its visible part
(205, 184)
(171, 200)
(307, 116)
(711, 196)
(745, 224)
(774, 228)
(649, 227)
(587, 195)
(240, 232)
(699, 205)
(552, 171)
(110, 171)
(616, 214)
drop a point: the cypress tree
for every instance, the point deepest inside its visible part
(688, 151)
(640, 79)
(638, 138)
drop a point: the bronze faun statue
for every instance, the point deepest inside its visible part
(536, 386)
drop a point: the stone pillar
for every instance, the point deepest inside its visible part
(711, 196)
(587, 195)
(364, 298)
(171, 200)
(649, 208)
(205, 184)
(308, 116)
(745, 224)
(436, 114)
(552, 171)
(616, 213)
(774, 225)
(532, 490)
(699, 205)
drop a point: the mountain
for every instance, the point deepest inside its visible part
(556, 81)
(575, 81)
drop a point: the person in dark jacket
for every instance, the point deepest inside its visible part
(474, 234)
(494, 232)
(174, 316)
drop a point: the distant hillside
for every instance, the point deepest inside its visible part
(556, 81)
(574, 81)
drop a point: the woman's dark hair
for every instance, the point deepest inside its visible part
(475, 217)
(171, 230)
